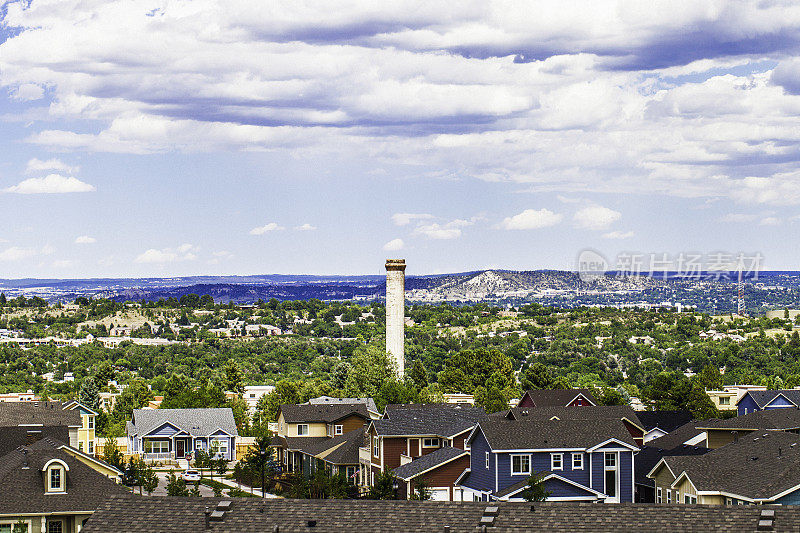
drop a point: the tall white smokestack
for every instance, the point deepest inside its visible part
(396, 311)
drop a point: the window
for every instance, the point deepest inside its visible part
(556, 461)
(91, 446)
(487, 460)
(577, 461)
(351, 472)
(376, 447)
(338, 429)
(689, 499)
(80, 446)
(302, 430)
(55, 526)
(520, 464)
(220, 446)
(430, 443)
(466, 445)
(55, 478)
(611, 460)
(91, 422)
(727, 501)
(669, 496)
(725, 400)
(659, 496)
(156, 446)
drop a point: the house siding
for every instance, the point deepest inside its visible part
(480, 478)
(779, 402)
(792, 498)
(560, 489)
(392, 448)
(445, 475)
(717, 438)
(350, 423)
(747, 405)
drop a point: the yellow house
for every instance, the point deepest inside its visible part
(86, 433)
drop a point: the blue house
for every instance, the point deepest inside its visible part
(758, 400)
(581, 460)
(158, 434)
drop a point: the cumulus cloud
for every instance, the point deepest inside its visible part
(618, 235)
(404, 219)
(261, 230)
(532, 219)
(37, 165)
(305, 227)
(394, 245)
(184, 252)
(16, 253)
(27, 92)
(595, 217)
(52, 184)
(85, 239)
(445, 231)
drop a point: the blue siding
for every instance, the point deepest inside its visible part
(626, 476)
(560, 489)
(778, 403)
(166, 430)
(479, 477)
(598, 472)
(747, 403)
(793, 498)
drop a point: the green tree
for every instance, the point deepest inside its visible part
(383, 488)
(536, 376)
(19, 526)
(148, 479)
(418, 375)
(709, 378)
(535, 491)
(176, 486)
(492, 399)
(233, 377)
(422, 491)
(370, 368)
(469, 369)
(89, 395)
(112, 454)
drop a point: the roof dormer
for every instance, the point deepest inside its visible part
(55, 476)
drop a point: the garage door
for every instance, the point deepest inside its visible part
(441, 495)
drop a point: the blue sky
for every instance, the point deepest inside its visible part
(154, 137)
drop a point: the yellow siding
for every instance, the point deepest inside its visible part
(314, 430)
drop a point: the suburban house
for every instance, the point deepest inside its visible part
(726, 399)
(658, 423)
(627, 415)
(129, 514)
(758, 400)
(588, 459)
(372, 409)
(408, 433)
(253, 393)
(756, 469)
(557, 398)
(722, 432)
(52, 488)
(86, 434)
(308, 432)
(40, 419)
(159, 434)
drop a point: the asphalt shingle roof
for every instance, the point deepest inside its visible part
(198, 422)
(44, 413)
(13, 437)
(678, 436)
(23, 488)
(444, 420)
(327, 413)
(328, 400)
(557, 397)
(755, 466)
(533, 433)
(648, 457)
(427, 462)
(763, 397)
(664, 420)
(135, 514)
(590, 412)
(785, 418)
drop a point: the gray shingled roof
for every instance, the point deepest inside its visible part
(648, 457)
(664, 420)
(755, 466)
(347, 452)
(785, 418)
(13, 437)
(557, 397)
(293, 413)
(590, 412)
(44, 413)
(443, 420)
(427, 462)
(197, 422)
(23, 488)
(534, 434)
(679, 435)
(763, 397)
(164, 514)
(328, 400)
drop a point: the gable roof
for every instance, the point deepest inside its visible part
(299, 413)
(428, 462)
(38, 413)
(329, 400)
(590, 412)
(755, 467)
(539, 434)
(13, 437)
(339, 450)
(678, 436)
(440, 419)
(648, 457)
(197, 422)
(666, 421)
(765, 397)
(783, 419)
(557, 397)
(23, 488)
(133, 514)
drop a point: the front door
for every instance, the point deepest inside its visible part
(180, 449)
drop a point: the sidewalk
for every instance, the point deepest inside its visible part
(235, 485)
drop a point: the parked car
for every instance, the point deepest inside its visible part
(191, 475)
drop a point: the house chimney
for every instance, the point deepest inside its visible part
(208, 518)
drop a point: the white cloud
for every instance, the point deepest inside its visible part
(85, 239)
(52, 184)
(394, 245)
(184, 252)
(618, 235)
(223, 254)
(738, 217)
(64, 263)
(305, 227)
(37, 165)
(595, 217)
(27, 92)
(447, 231)
(16, 253)
(47, 249)
(260, 230)
(404, 219)
(532, 219)
(769, 221)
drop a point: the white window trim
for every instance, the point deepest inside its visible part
(466, 445)
(376, 447)
(552, 461)
(487, 460)
(90, 423)
(61, 479)
(338, 429)
(521, 472)
(430, 440)
(579, 456)
(54, 521)
(659, 496)
(299, 434)
(669, 496)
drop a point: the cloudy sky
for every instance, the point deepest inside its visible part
(176, 137)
